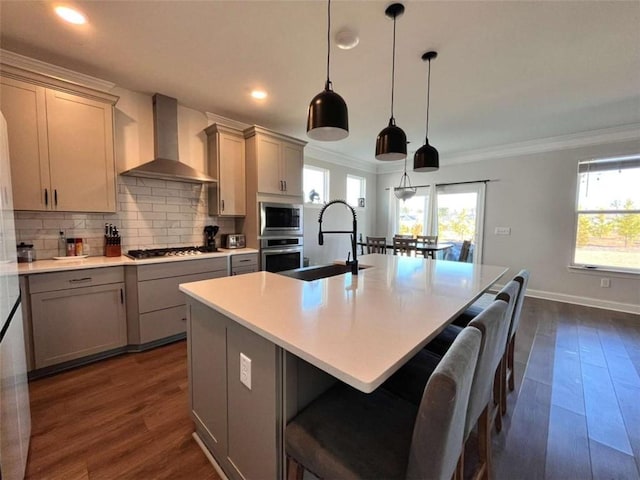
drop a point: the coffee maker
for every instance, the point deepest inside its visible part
(210, 232)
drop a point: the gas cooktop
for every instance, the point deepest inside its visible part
(168, 252)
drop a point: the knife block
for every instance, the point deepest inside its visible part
(112, 250)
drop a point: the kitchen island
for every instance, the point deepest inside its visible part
(262, 346)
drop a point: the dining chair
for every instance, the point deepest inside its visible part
(427, 240)
(464, 251)
(482, 410)
(376, 245)
(347, 434)
(404, 246)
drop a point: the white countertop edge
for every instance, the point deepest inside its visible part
(50, 265)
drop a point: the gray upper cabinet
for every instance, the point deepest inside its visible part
(61, 144)
(226, 159)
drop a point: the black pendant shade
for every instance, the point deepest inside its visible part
(391, 143)
(426, 158)
(327, 118)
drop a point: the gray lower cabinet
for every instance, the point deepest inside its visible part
(241, 427)
(244, 263)
(76, 314)
(155, 305)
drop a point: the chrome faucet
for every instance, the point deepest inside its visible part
(354, 263)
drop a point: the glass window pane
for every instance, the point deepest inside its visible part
(315, 184)
(611, 240)
(412, 216)
(609, 190)
(457, 216)
(355, 189)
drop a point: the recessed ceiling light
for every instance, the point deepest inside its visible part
(71, 15)
(259, 94)
(346, 39)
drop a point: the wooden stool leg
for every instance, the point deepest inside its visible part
(510, 362)
(483, 472)
(295, 471)
(497, 395)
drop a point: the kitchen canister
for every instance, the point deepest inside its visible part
(26, 253)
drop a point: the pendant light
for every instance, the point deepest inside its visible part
(391, 143)
(427, 158)
(405, 191)
(327, 118)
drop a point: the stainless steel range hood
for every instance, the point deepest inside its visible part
(166, 165)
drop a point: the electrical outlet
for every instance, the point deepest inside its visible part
(605, 282)
(502, 231)
(245, 370)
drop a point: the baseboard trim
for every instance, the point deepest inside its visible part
(585, 301)
(207, 454)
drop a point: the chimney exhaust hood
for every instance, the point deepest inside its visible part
(166, 165)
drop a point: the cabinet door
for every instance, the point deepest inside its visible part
(269, 173)
(74, 323)
(80, 133)
(23, 105)
(231, 183)
(292, 162)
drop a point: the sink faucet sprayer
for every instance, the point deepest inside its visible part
(354, 263)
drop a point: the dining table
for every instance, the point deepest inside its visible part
(427, 249)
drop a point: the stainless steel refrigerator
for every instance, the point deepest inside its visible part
(15, 418)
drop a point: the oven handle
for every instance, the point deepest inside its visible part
(281, 250)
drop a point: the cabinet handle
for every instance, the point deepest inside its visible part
(184, 319)
(46, 196)
(80, 280)
(223, 205)
(55, 197)
(281, 186)
(121, 296)
(245, 260)
(285, 185)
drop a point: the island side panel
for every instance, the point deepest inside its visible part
(207, 357)
(254, 418)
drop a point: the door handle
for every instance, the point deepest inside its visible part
(121, 296)
(46, 196)
(55, 197)
(223, 205)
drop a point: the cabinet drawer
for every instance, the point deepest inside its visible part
(186, 267)
(163, 323)
(50, 282)
(164, 293)
(244, 260)
(243, 269)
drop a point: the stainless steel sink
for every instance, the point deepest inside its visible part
(316, 272)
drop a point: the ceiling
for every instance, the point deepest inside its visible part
(507, 72)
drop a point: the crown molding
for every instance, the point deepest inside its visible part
(215, 118)
(325, 155)
(60, 73)
(603, 136)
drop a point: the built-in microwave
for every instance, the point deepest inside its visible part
(280, 219)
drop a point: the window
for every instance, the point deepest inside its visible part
(356, 188)
(608, 213)
(315, 184)
(454, 212)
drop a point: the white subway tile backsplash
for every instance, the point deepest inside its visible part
(151, 214)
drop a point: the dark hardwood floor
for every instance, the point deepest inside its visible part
(575, 413)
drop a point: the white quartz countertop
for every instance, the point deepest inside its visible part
(360, 329)
(71, 263)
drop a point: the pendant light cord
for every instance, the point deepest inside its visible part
(328, 85)
(393, 66)
(428, 89)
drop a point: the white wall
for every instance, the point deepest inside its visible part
(337, 217)
(535, 196)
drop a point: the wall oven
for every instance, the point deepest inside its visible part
(280, 219)
(280, 254)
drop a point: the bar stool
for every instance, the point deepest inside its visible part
(346, 434)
